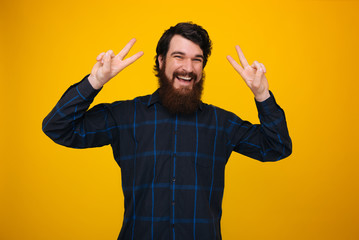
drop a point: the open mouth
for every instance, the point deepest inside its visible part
(183, 78)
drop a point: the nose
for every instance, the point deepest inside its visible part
(187, 65)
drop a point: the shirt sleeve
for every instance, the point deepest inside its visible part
(267, 141)
(70, 124)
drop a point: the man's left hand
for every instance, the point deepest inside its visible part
(253, 75)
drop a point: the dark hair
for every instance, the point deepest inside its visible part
(188, 30)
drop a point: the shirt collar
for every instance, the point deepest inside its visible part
(155, 98)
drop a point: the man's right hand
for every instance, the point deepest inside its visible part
(108, 65)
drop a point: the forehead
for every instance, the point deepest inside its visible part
(181, 44)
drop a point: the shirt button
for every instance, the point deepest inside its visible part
(173, 203)
(173, 179)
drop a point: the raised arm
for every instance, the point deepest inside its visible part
(270, 140)
(70, 124)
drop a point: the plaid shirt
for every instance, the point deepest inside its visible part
(172, 166)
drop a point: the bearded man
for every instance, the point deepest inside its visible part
(172, 148)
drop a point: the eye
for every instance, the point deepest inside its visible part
(178, 56)
(197, 59)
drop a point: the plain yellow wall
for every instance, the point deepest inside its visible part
(310, 50)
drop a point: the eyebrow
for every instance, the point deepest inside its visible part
(182, 53)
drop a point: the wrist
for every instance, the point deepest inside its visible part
(94, 82)
(262, 97)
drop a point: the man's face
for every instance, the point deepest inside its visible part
(184, 63)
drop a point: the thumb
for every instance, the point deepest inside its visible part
(95, 68)
(257, 79)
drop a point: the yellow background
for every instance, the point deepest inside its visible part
(310, 50)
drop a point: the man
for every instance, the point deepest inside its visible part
(171, 147)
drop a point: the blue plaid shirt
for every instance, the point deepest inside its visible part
(172, 166)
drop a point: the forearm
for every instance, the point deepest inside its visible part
(268, 141)
(65, 123)
(275, 135)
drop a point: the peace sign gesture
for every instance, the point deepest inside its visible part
(108, 65)
(253, 75)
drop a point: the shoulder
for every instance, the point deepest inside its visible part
(123, 107)
(221, 115)
(220, 112)
(142, 100)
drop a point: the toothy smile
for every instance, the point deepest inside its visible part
(184, 78)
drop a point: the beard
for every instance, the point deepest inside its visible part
(183, 100)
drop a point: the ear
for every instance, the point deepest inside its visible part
(160, 61)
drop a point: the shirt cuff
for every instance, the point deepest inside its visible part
(85, 89)
(267, 106)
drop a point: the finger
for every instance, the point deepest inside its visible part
(133, 58)
(254, 65)
(99, 57)
(235, 65)
(107, 62)
(257, 65)
(263, 67)
(112, 54)
(95, 68)
(259, 74)
(242, 59)
(122, 54)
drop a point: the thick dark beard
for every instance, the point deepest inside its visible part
(184, 100)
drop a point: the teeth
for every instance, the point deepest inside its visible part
(185, 78)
